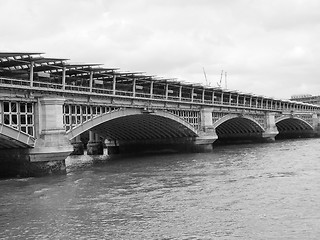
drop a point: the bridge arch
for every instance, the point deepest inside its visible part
(136, 124)
(234, 126)
(13, 138)
(291, 126)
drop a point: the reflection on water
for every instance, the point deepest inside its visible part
(260, 191)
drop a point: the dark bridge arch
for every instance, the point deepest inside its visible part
(293, 127)
(234, 127)
(136, 124)
(12, 138)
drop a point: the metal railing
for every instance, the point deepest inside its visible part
(48, 86)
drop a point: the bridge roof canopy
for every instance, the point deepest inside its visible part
(19, 64)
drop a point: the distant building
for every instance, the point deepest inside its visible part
(306, 98)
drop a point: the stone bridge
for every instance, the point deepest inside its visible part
(51, 108)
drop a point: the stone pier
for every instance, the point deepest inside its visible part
(51, 147)
(271, 129)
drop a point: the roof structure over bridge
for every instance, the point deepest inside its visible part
(19, 64)
(35, 70)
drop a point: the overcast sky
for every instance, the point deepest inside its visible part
(267, 47)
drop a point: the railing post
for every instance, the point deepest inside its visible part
(31, 73)
(180, 93)
(167, 88)
(64, 78)
(114, 83)
(192, 92)
(91, 81)
(213, 97)
(151, 89)
(134, 88)
(203, 91)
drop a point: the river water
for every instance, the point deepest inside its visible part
(252, 191)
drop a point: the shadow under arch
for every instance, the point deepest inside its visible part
(238, 128)
(293, 127)
(130, 124)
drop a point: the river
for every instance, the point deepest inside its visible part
(250, 191)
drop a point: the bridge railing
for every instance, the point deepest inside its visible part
(19, 82)
(50, 86)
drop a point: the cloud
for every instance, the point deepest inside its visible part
(267, 47)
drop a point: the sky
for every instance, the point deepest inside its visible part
(266, 47)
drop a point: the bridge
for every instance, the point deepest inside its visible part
(51, 108)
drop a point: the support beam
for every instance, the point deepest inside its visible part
(31, 73)
(192, 92)
(213, 97)
(167, 91)
(151, 89)
(203, 92)
(91, 81)
(114, 84)
(64, 78)
(134, 88)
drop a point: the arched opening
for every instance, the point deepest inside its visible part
(238, 130)
(293, 128)
(135, 130)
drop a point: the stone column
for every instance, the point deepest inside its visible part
(207, 133)
(114, 84)
(316, 124)
(271, 129)
(112, 146)
(78, 147)
(94, 146)
(52, 145)
(31, 73)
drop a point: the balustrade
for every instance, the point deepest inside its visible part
(233, 99)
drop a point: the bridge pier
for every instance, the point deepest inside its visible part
(51, 147)
(19, 163)
(271, 129)
(207, 136)
(94, 146)
(316, 125)
(78, 146)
